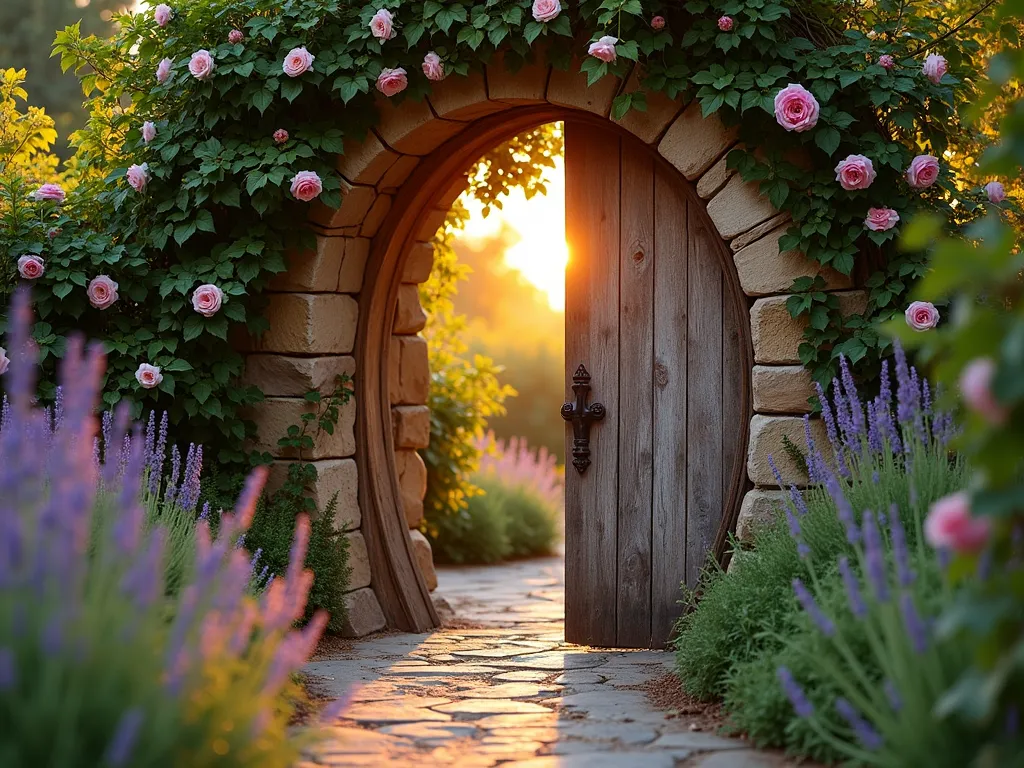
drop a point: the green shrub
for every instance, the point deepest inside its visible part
(476, 534)
(530, 523)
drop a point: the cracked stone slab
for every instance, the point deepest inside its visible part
(511, 691)
(430, 732)
(599, 760)
(522, 676)
(558, 660)
(493, 707)
(396, 711)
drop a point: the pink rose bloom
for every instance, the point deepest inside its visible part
(298, 61)
(432, 67)
(148, 131)
(52, 192)
(138, 176)
(923, 171)
(162, 14)
(855, 172)
(207, 300)
(658, 23)
(950, 525)
(148, 376)
(201, 65)
(881, 219)
(725, 23)
(163, 70)
(886, 61)
(604, 48)
(995, 191)
(934, 67)
(306, 186)
(392, 81)
(546, 10)
(976, 386)
(30, 267)
(102, 292)
(53, 233)
(235, 36)
(280, 136)
(382, 25)
(5, 361)
(922, 315)
(796, 109)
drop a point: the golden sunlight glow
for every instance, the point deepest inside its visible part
(540, 252)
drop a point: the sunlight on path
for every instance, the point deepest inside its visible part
(501, 687)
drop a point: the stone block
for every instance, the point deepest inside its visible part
(411, 127)
(462, 98)
(649, 125)
(763, 270)
(409, 314)
(398, 173)
(758, 232)
(411, 424)
(353, 264)
(375, 216)
(776, 336)
(568, 88)
(758, 510)
(409, 370)
(365, 162)
(693, 142)
(362, 613)
(412, 480)
(714, 179)
(312, 270)
(358, 561)
(782, 389)
(424, 558)
(274, 415)
(739, 207)
(334, 478)
(354, 206)
(766, 440)
(419, 263)
(527, 85)
(309, 324)
(283, 376)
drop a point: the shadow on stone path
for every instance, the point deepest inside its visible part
(509, 691)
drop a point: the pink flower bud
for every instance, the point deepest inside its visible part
(235, 36)
(976, 388)
(725, 23)
(280, 136)
(950, 525)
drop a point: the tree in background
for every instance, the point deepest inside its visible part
(27, 29)
(465, 390)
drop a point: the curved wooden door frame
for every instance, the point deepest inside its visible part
(399, 586)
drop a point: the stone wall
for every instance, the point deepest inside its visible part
(314, 307)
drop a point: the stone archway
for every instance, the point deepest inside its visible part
(351, 305)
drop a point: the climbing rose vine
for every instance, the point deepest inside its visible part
(205, 147)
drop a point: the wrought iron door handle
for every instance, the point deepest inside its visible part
(582, 417)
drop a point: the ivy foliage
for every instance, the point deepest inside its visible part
(217, 208)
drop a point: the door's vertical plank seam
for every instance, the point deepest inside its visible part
(618, 395)
(653, 379)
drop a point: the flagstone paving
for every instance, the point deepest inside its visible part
(509, 691)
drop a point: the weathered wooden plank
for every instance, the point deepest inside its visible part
(636, 349)
(671, 334)
(592, 338)
(704, 423)
(734, 416)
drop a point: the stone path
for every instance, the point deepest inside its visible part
(509, 691)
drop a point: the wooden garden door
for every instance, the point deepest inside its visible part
(652, 319)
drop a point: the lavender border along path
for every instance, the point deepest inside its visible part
(510, 692)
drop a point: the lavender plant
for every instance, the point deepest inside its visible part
(100, 663)
(889, 454)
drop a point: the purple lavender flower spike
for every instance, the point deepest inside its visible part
(119, 750)
(893, 695)
(874, 558)
(826, 415)
(172, 483)
(106, 429)
(917, 631)
(5, 413)
(852, 397)
(904, 573)
(801, 705)
(8, 669)
(844, 510)
(22, 351)
(802, 550)
(150, 439)
(907, 393)
(798, 500)
(775, 472)
(823, 622)
(853, 596)
(874, 434)
(143, 581)
(188, 496)
(884, 384)
(868, 737)
(205, 514)
(815, 463)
